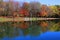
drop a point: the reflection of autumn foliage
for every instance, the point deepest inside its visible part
(14, 24)
(24, 25)
(44, 25)
(13, 29)
(8, 29)
(54, 26)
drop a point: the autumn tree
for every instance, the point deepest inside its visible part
(1, 8)
(58, 8)
(24, 10)
(35, 8)
(44, 11)
(54, 11)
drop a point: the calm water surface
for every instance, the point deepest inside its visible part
(27, 30)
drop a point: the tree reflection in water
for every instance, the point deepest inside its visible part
(12, 29)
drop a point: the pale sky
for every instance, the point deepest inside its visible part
(47, 2)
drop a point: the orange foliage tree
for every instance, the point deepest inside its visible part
(44, 11)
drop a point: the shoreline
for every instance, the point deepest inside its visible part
(5, 19)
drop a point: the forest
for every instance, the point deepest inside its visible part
(31, 9)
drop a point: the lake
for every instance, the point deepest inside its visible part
(30, 30)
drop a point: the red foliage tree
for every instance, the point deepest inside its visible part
(23, 12)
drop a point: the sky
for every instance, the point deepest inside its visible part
(47, 2)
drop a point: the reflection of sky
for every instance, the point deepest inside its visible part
(44, 36)
(48, 2)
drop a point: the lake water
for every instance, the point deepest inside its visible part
(29, 30)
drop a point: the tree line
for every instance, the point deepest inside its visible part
(25, 9)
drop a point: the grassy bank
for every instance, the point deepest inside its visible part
(5, 19)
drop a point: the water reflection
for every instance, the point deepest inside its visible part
(12, 29)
